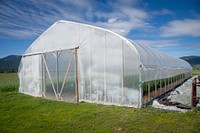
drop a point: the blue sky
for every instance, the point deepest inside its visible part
(171, 26)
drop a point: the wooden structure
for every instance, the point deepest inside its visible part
(195, 84)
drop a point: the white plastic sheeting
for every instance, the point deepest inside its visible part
(157, 65)
(29, 75)
(182, 94)
(110, 67)
(156, 104)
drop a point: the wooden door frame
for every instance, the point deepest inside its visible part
(46, 69)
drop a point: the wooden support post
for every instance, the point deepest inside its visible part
(90, 65)
(171, 83)
(105, 76)
(155, 88)
(122, 72)
(160, 87)
(141, 95)
(165, 85)
(193, 97)
(148, 90)
(43, 78)
(49, 75)
(168, 84)
(76, 68)
(57, 73)
(181, 78)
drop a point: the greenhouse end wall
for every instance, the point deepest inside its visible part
(76, 62)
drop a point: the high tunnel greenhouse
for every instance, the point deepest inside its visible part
(76, 62)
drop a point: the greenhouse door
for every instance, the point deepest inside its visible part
(60, 75)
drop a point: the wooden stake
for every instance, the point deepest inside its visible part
(49, 76)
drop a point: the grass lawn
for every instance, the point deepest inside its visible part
(195, 72)
(22, 113)
(8, 82)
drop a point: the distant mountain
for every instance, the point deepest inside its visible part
(10, 63)
(193, 60)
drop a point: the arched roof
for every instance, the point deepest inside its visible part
(67, 35)
(151, 58)
(64, 35)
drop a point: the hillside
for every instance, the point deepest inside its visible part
(10, 63)
(193, 60)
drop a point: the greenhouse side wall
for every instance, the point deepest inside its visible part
(159, 72)
(162, 81)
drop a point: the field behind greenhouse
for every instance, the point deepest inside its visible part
(22, 113)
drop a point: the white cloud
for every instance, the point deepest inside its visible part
(166, 11)
(41, 14)
(187, 27)
(26, 19)
(158, 43)
(113, 20)
(195, 46)
(163, 11)
(123, 19)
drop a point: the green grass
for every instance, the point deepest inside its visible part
(22, 113)
(8, 82)
(195, 72)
